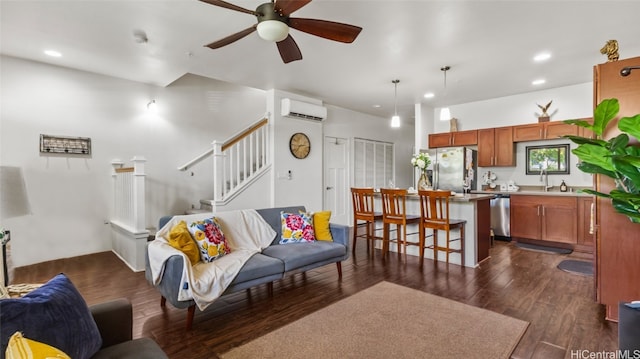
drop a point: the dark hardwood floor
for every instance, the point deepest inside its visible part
(522, 284)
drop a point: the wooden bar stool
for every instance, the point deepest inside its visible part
(434, 215)
(394, 211)
(363, 210)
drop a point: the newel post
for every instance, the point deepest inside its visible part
(138, 193)
(116, 164)
(218, 171)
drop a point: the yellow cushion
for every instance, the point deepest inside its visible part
(180, 238)
(321, 225)
(20, 347)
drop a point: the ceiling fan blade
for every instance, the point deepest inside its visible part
(232, 38)
(289, 50)
(227, 5)
(327, 29)
(286, 7)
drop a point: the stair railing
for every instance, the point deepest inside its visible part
(237, 161)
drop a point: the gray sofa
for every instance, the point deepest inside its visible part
(263, 268)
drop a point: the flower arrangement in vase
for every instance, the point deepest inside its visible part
(421, 161)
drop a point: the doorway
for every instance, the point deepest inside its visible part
(336, 178)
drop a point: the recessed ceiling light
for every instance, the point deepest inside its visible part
(52, 53)
(429, 95)
(376, 106)
(543, 56)
(538, 82)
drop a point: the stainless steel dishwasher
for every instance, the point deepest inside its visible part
(500, 216)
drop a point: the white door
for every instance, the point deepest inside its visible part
(336, 179)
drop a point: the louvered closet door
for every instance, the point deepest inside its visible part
(373, 163)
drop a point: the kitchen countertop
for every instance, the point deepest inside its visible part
(459, 197)
(536, 193)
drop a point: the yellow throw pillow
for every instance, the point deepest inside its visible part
(180, 239)
(20, 347)
(321, 225)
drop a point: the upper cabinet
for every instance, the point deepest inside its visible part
(496, 147)
(449, 139)
(543, 131)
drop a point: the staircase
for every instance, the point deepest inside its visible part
(237, 163)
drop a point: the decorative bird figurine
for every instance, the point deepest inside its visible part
(545, 108)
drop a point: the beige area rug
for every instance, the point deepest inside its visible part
(391, 321)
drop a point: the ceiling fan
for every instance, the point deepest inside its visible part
(274, 23)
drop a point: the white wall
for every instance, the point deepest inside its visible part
(70, 195)
(304, 187)
(425, 122)
(349, 124)
(569, 102)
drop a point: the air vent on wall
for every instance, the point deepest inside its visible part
(299, 109)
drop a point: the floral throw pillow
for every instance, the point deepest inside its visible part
(296, 228)
(210, 238)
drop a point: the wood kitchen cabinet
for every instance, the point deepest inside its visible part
(617, 238)
(496, 147)
(585, 238)
(449, 139)
(546, 218)
(543, 131)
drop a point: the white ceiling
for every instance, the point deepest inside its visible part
(489, 45)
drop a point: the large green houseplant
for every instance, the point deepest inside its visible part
(614, 158)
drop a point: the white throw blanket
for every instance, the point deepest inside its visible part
(247, 234)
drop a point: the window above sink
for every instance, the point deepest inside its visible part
(554, 159)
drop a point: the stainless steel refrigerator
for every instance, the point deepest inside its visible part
(453, 167)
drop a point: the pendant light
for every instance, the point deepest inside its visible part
(395, 120)
(445, 113)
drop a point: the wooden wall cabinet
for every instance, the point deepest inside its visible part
(543, 131)
(544, 218)
(585, 238)
(617, 238)
(496, 147)
(450, 139)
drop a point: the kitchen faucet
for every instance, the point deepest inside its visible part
(544, 177)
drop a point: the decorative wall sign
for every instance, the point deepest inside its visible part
(65, 145)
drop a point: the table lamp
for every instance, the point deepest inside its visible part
(13, 203)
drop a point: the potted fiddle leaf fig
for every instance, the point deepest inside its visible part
(614, 158)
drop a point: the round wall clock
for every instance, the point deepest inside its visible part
(299, 145)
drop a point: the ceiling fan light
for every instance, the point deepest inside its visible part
(395, 121)
(273, 30)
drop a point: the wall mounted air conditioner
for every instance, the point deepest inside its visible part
(299, 109)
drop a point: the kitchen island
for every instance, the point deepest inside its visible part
(475, 209)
